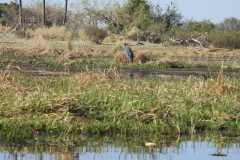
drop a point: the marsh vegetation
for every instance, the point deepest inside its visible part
(63, 84)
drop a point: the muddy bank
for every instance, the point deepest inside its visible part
(140, 73)
(182, 72)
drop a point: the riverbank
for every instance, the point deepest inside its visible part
(104, 104)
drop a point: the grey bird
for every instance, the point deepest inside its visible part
(129, 53)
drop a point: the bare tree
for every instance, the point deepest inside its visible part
(66, 10)
(44, 12)
(20, 13)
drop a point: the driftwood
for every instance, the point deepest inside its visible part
(189, 42)
(196, 42)
(200, 41)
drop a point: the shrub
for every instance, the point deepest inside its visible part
(134, 33)
(3, 21)
(186, 35)
(225, 39)
(95, 34)
(154, 33)
(198, 26)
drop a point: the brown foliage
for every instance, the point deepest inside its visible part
(141, 58)
(217, 87)
(120, 58)
(95, 34)
(9, 82)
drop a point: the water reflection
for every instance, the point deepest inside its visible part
(187, 149)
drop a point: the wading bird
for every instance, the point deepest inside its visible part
(129, 53)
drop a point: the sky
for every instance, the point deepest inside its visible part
(214, 10)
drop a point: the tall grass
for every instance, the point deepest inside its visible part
(225, 39)
(91, 103)
(4, 29)
(52, 33)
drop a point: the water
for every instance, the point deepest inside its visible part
(184, 150)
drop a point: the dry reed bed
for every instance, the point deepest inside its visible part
(52, 33)
(71, 50)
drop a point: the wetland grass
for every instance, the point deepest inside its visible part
(98, 104)
(89, 103)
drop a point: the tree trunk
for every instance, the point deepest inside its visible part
(66, 10)
(20, 13)
(44, 12)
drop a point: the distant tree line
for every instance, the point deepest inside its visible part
(15, 9)
(136, 19)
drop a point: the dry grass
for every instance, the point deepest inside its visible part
(40, 46)
(112, 73)
(36, 46)
(52, 33)
(114, 39)
(73, 55)
(140, 57)
(4, 49)
(4, 29)
(87, 78)
(221, 86)
(8, 82)
(218, 86)
(120, 58)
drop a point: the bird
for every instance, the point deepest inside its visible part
(129, 53)
(150, 144)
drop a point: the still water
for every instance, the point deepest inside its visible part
(187, 149)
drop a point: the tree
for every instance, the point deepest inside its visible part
(205, 26)
(65, 13)
(137, 13)
(20, 13)
(9, 13)
(44, 12)
(230, 24)
(171, 17)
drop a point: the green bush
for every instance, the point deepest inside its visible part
(3, 21)
(155, 33)
(225, 39)
(199, 26)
